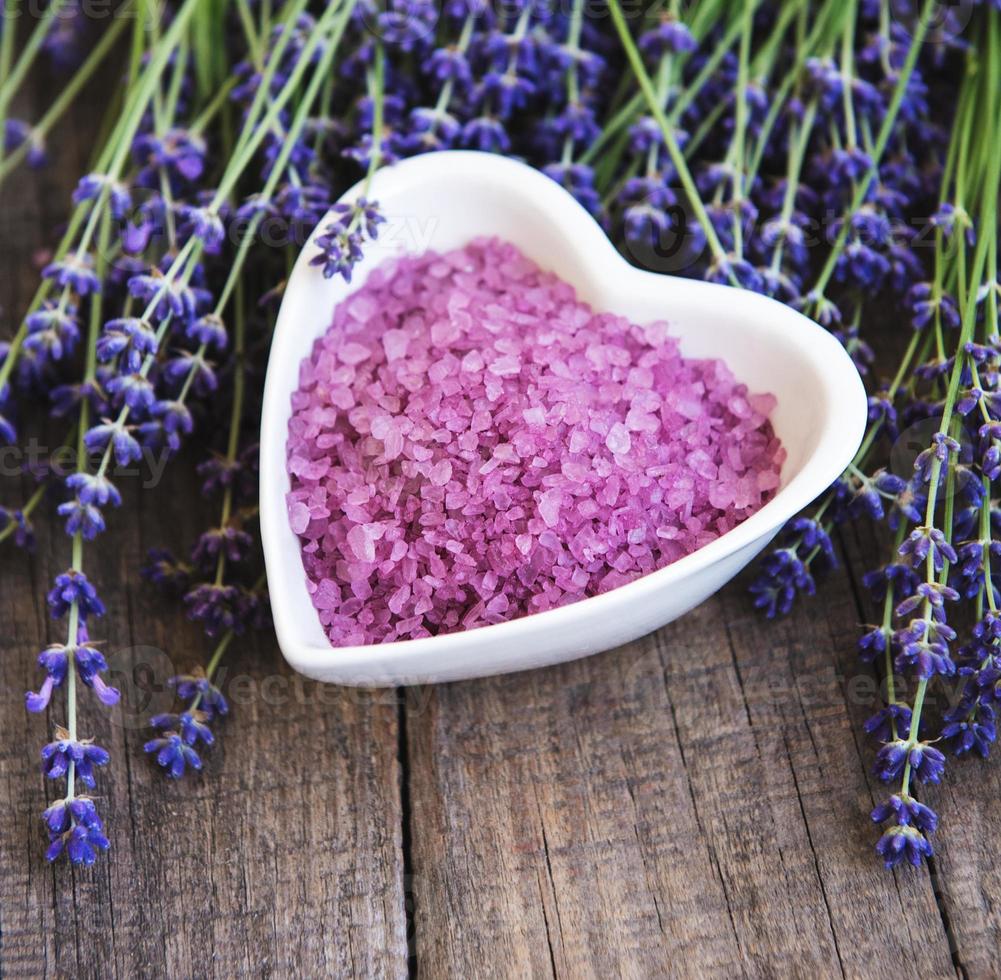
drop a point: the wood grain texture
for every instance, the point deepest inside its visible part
(694, 804)
(691, 805)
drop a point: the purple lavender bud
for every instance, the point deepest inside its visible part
(80, 844)
(486, 133)
(906, 811)
(230, 541)
(23, 532)
(190, 724)
(179, 152)
(16, 133)
(119, 437)
(174, 416)
(53, 331)
(167, 297)
(173, 754)
(75, 272)
(212, 702)
(903, 842)
(217, 607)
(83, 519)
(976, 730)
(873, 643)
(165, 572)
(887, 723)
(205, 225)
(90, 664)
(130, 338)
(58, 755)
(670, 36)
(927, 762)
(134, 390)
(190, 364)
(448, 65)
(210, 331)
(94, 185)
(73, 587)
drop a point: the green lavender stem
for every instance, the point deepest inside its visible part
(677, 158)
(12, 79)
(67, 95)
(8, 12)
(628, 114)
(235, 420)
(740, 124)
(73, 628)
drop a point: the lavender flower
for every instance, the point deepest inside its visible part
(174, 754)
(57, 757)
(75, 828)
(341, 242)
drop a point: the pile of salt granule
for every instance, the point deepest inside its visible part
(470, 443)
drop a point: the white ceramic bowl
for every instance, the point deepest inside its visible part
(442, 200)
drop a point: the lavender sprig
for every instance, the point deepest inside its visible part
(942, 515)
(168, 297)
(222, 606)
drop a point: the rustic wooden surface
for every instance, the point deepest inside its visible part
(693, 804)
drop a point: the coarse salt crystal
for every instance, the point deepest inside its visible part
(470, 443)
(549, 507)
(618, 439)
(440, 473)
(353, 353)
(298, 516)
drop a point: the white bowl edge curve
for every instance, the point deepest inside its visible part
(442, 200)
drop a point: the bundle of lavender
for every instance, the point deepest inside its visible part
(785, 148)
(942, 516)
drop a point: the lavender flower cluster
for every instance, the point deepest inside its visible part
(785, 148)
(938, 504)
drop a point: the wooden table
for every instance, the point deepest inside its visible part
(694, 804)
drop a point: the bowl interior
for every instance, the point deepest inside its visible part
(434, 204)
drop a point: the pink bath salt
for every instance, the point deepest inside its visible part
(578, 441)
(505, 366)
(618, 439)
(362, 542)
(298, 516)
(470, 443)
(549, 507)
(473, 361)
(394, 343)
(352, 353)
(444, 332)
(763, 404)
(440, 473)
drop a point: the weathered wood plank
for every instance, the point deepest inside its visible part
(693, 804)
(967, 871)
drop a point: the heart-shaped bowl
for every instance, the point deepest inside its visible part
(441, 201)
